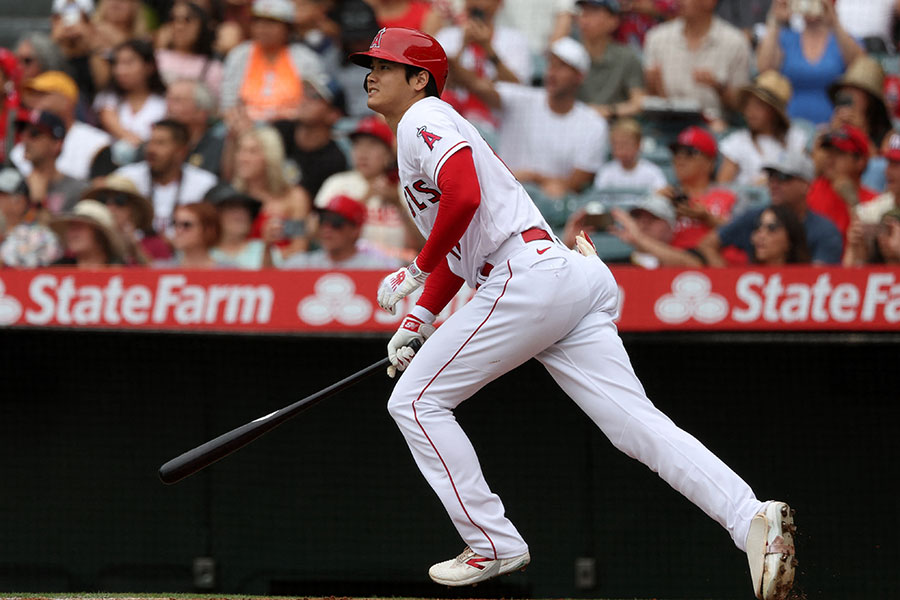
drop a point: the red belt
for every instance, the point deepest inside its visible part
(529, 235)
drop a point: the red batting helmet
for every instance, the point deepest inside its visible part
(408, 47)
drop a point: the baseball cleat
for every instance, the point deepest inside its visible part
(469, 568)
(770, 550)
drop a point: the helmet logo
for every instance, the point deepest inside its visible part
(376, 43)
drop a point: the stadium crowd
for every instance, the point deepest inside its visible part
(235, 133)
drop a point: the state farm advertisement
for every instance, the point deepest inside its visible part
(335, 302)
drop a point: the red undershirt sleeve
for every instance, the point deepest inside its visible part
(440, 287)
(460, 198)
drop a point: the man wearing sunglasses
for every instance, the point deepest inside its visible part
(340, 225)
(42, 134)
(789, 182)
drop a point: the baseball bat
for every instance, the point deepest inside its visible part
(216, 449)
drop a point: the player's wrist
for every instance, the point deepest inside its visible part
(423, 314)
(418, 274)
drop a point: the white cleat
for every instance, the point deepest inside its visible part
(770, 550)
(469, 568)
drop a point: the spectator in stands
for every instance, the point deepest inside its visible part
(237, 212)
(540, 21)
(81, 46)
(136, 98)
(487, 50)
(25, 242)
(811, 59)
(744, 14)
(164, 177)
(414, 14)
(37, 53)
(56, 92)
(357, 24)
(547, 136)
(615, 84)
(10, 77)
(778, 238)
(259, 172)
(789, 178)
(886, 249)
(340, 225)
(627, 169)
(373, 182)
(42, 136)
(89, 236)
(133, 216)
(871, 212)
(639, 16)
(264, 76)
(841, 157)
(191, 103)
(188, 52)
(700, 206)
(197, 231)
(311, 143)
(117, 21)
(870, 21)
(697, 56)
(767, 135)
(317, 32)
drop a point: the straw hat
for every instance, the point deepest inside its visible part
(118, 185)
(774, 89)
(867, 75)
(97, 216)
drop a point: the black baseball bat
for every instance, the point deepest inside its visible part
(216, 449)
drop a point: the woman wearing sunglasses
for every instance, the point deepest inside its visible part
(197, 231)
(779, 238)
(187, 53)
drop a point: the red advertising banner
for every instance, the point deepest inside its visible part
(797, 298)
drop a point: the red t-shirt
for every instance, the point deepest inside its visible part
(689, 232)
(822, 199)
(412, 18)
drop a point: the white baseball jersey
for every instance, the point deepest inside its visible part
(429, 133)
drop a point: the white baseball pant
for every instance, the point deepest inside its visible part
(542, 300)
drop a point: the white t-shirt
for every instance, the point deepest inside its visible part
(139, 123)
(80, 146)
(429, 133)
(384, 227)
(510, 45)
(535, 138)
(644, 175)
(739, 148)
(534, 18)
(867, 18)
(192, 187)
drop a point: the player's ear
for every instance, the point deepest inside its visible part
(420, 81)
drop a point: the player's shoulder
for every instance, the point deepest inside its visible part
(428, 114)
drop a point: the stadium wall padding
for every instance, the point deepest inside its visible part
(331, 503)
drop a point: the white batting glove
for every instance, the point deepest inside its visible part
(399, 285)
(399, 352)
(584, 245)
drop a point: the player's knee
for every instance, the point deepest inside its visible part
(400, 407)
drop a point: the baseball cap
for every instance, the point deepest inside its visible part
(892, 152)
(328, 89)
(347, 207)
(45, 120)
(658, 206)
(54, 82)
(277, 10)
(572, 53)
(85, 6)
(795, 164)
(376, 128)
(697, 138)
(12, 182)
(847, 138)
(610, 5)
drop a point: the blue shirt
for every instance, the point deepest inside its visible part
(810, 80)
(823, 239)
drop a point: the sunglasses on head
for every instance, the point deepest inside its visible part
(333, 219)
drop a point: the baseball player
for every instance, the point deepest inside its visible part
(535, 299)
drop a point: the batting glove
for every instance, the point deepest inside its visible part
(399, 352)
(584, 245)
(399, 285)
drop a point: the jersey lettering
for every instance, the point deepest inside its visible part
(456, 251)
(431, 195)
(427, 137)
(412, 198)
(434, 196)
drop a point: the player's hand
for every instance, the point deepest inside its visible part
(584, 245)
(399, 285)
(399, 352)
